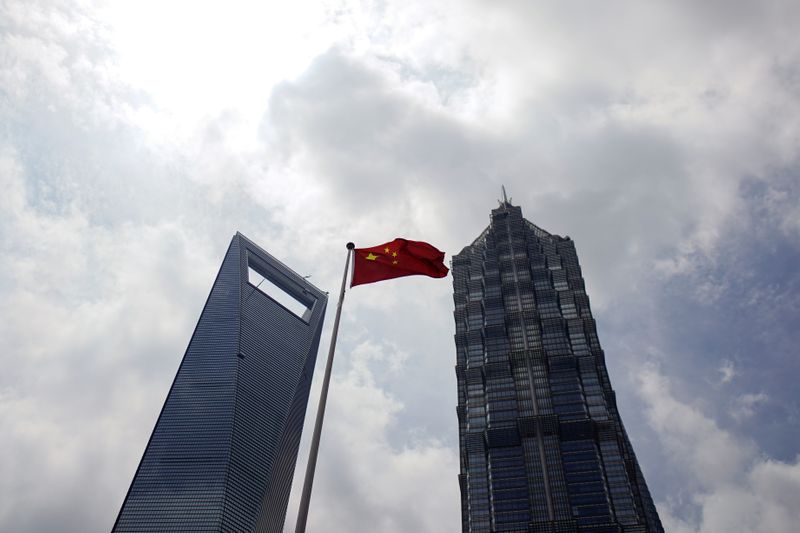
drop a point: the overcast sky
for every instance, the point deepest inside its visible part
(137, 137)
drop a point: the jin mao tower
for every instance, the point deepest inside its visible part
(543, 448)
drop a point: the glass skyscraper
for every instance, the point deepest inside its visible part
(223, 451)
(543, 448)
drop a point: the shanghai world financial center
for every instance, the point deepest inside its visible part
(543, 448)
(542, 445)
(222, 454)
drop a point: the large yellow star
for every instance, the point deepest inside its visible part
(371, 257)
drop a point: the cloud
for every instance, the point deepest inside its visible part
(86, 319)
(363, 477)
(692, 440)
(727, 372)
(745, 405)
(646, 141)
(730, 485)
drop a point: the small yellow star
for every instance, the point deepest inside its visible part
(394, 262)
(394, 254)
(386, 250)
(371, 257)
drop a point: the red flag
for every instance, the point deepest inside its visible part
(395, 259)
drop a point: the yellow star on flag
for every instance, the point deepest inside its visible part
(371, 257)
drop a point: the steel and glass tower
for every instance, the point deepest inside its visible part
(543, 448)
(223, 451)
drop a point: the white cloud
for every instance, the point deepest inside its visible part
(745, 405)
(728, 481)
(86, 319)
(363, 477)
(197, 60)
(727, 372)
(708, 454)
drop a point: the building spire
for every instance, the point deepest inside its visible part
(506, 200)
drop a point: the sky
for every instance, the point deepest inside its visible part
(137, 137)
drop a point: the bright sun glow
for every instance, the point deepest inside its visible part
(195, 60)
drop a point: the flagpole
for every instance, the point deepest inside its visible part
(305, 499)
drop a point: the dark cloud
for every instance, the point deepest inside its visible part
(368, 141)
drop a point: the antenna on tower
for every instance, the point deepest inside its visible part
(506, 200)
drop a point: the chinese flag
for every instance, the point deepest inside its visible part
(396, 259)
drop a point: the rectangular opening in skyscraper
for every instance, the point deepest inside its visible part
(261, 280)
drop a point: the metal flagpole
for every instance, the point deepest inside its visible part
(305, 499)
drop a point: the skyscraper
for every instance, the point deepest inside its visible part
(543, 448)
(223, 451)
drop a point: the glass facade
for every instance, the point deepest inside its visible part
(543, 448)
(223, 451)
